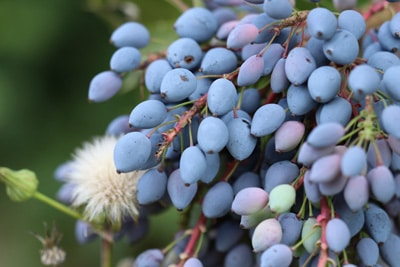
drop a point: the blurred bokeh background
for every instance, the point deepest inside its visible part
(49, 51)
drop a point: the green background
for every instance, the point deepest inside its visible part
(49, 51)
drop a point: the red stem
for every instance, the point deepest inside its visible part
(299, 183)
(191, 245)
(375, 8)
(181, 123)
(231, 167)
(270, 98)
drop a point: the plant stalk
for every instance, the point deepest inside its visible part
(106, 250)
(57, 205)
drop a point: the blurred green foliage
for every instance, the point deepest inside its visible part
(49, 51)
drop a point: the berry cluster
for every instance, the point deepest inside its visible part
(275, 130)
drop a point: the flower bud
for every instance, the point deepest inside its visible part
(20, 185)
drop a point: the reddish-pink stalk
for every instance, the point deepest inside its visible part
(299, 183)
(194, 238)
(270, 98)
(375, 8)
(231, 167)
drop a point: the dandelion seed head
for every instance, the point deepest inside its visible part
(104, 193)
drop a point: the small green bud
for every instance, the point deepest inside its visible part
(20, 185)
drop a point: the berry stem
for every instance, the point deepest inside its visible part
(239, 103)
(176, 241)
(296, 19)
(379, 160)
(301, 212)
(181, 123)
(345, 257)
(197, 231)
(150, 58)
(232, 166)
(299, 181)
(270, 98)
(298, 244)
(180, 105)
(261, 53)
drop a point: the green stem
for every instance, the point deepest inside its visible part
(298, 244)
(345, 258)
(383, 97)
(155, 129)
(57, 205)
(348, 135)
(197, 3)
(239, 104)
(181, 105)
(302, 210)
(199, 244)
(230, 170)
(106, 252)
(190, 136)
(261, 53)
(310, 212)
(379, 160)
(209, 76)
(353, 121)
(178, 4)
(311, 256)
(176, 241)
(74, 214)
(330, 204)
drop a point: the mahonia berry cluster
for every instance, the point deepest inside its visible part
(274, 130)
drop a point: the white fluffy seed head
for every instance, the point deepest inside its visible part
(105, 195)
